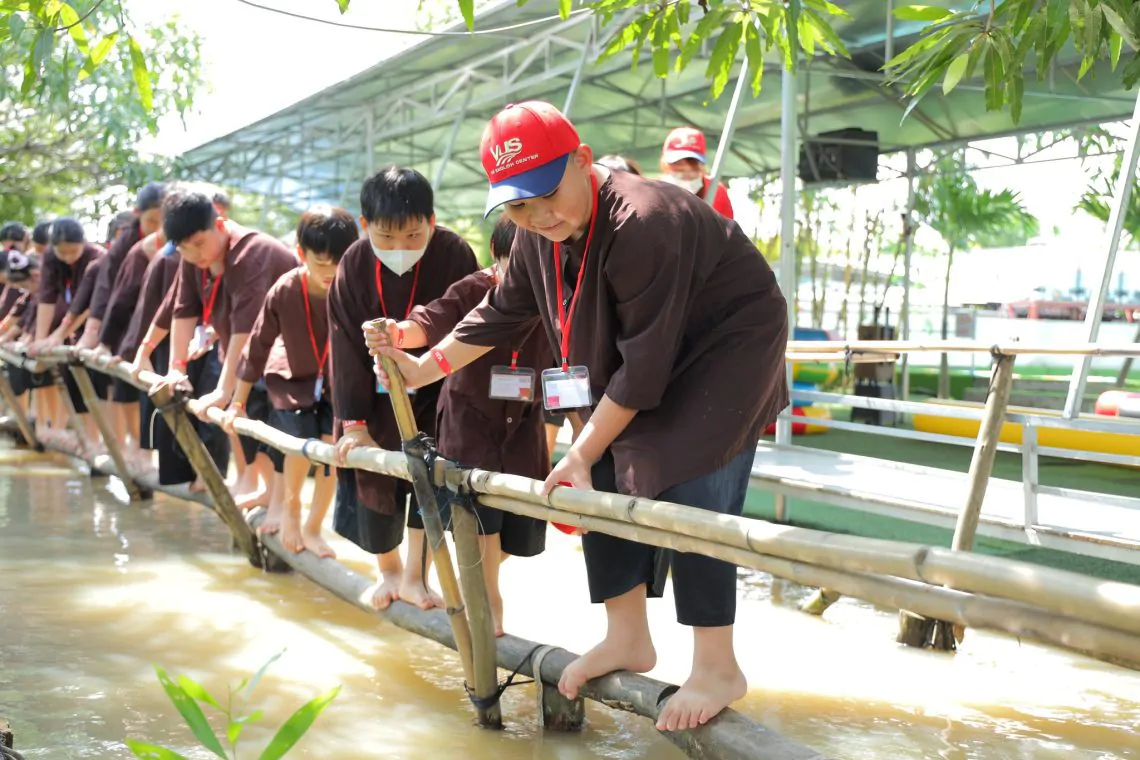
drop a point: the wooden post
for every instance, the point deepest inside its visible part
(95, 409)
(172, 411)
(73, 420)
(914, 630)
(470, 560)
(17, 413)
(433, 526)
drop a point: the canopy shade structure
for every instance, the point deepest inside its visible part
(426, 107)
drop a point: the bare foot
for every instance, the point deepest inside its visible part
(291, 533)
(252, 499)
(197, 486)
(317, 545)
(273, 520)
(416, 592)
(382, 594)
(636, 655)
(702, 697)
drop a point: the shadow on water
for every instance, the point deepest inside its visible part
(93, 592)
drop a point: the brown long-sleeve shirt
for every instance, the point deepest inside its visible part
(472, 428)
(82, 299)
(253, 263)
(105, 285)
(281, 348)
(9, 298)
(157, 284)
(355, 299)
(124, 297)
(59, 282)
(679, 317)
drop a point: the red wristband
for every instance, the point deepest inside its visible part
(178, 364)
(353, 423)
(238, 405)
(151, 345)
(441, 360)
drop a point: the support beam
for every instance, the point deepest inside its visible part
(1116, 217)
(95, 409)
(908, 254)
(13, 403)
(728, 131)
(916, 630)
(165, 400)
(441, 167)
(788, 203)
(587, 51)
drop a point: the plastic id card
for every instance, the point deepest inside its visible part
(509, 384)
(201, 338)
(319, 387)
(566, 390)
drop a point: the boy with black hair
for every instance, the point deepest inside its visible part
(225, 274)
(488, 415)
(289, 346)
(403, 261)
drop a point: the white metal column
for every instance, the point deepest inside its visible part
(1116, 216)
(728, 131)
(908, 252)
(787, 266)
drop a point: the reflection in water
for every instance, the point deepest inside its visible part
(93, 592)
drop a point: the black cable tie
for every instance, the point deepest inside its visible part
(484, 703)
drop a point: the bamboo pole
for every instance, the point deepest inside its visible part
(1109, 603)
(729, 736)
(959, 607)
(913, 630)
(165, 400)
(936, 346)
(23, 426)
(73, 421)
(465, 638)
(95, 409)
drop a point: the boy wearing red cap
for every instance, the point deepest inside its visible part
(657, 307)
(683, 161)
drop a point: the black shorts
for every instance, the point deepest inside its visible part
(371, 531)
(173, 467)
(98, 379)
(256, 408)
(704, 588)
(123, 392)
(310, 424)
(519, 535)
(19, 378)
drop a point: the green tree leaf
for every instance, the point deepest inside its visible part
(954, 73)
(70, 19)
(343, 6)
(248, 689)
(100, 51)
(1116, 46)
(755, 57)
(921, 13)
(564, 9)
(723, 57)
(141, 75)
(196, 691)
(299, 722)
(145, 751)
(191, 713)
(237, 725)
(467, 9)
(1016, 94)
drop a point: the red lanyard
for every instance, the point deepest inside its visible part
(411, 298)
(564, 317)
(515, 353)
(321, 357)
(209, 310)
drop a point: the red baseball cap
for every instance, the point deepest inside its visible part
(525, 148)
(682, 143)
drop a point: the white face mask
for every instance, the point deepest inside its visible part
(398, 261)
(692, 185)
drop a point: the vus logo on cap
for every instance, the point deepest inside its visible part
(524, 149)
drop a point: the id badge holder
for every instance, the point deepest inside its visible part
(569, 389)
(512, 384)
(319, 387)
(201, 338)
(67, 295)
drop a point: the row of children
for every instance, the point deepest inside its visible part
(674, 364)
